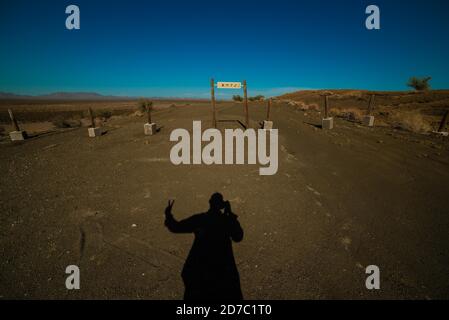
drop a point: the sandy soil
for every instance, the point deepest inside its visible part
(342, 200)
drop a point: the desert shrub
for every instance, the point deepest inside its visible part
(351, 114)
(410, 121)
(143, 104)
(419, 84)
(306, 107)
(257, 98)
(105, 114)
(237, 98)
(313, 106)
(72, 123)
(302, 106)
(85, 114)
(60, 122)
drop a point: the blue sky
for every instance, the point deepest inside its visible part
(173, 48)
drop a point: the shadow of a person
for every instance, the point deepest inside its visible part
(210, 272)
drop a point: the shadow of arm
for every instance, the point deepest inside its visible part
(236, 231)
(184, 226)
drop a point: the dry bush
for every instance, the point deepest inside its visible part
(257, 98)
(138, 113)
(142, 105)
(313, 106)
(351, 114)
(419, 84)
(307, 107)
(60, 122)
(237, 98)
(106, 114)
(302, 106)
(410, 121)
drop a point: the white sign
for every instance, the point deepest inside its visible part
(229, 85)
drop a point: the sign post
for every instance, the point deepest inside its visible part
(212, 92)
(245, 94)
(229, 85)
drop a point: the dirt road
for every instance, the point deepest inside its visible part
(341, 200)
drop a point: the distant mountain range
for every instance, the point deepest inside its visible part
(61, 96)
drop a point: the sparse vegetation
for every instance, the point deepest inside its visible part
(308, 107)
(257, 98)
(304, 106)
(237, 98)
(351, 114)
(60, 122)
(348, 104)
(419, 84)
(411, 121)
(106, 114)
(143, 104)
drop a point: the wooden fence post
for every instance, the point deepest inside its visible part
(91, 116)
(370, 105)
(269, 109)
(13, 120)
(326, 106)
(443, 121)
(149, 107)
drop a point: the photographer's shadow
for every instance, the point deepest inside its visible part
(210, 272)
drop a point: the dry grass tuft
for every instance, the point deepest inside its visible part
(410, 121)
(60, 122)
(307, 107)
(351, 114)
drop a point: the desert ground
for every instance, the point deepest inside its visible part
(342, 200)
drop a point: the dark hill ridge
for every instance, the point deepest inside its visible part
(62, 96)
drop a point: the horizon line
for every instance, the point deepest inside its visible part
(204, 96)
